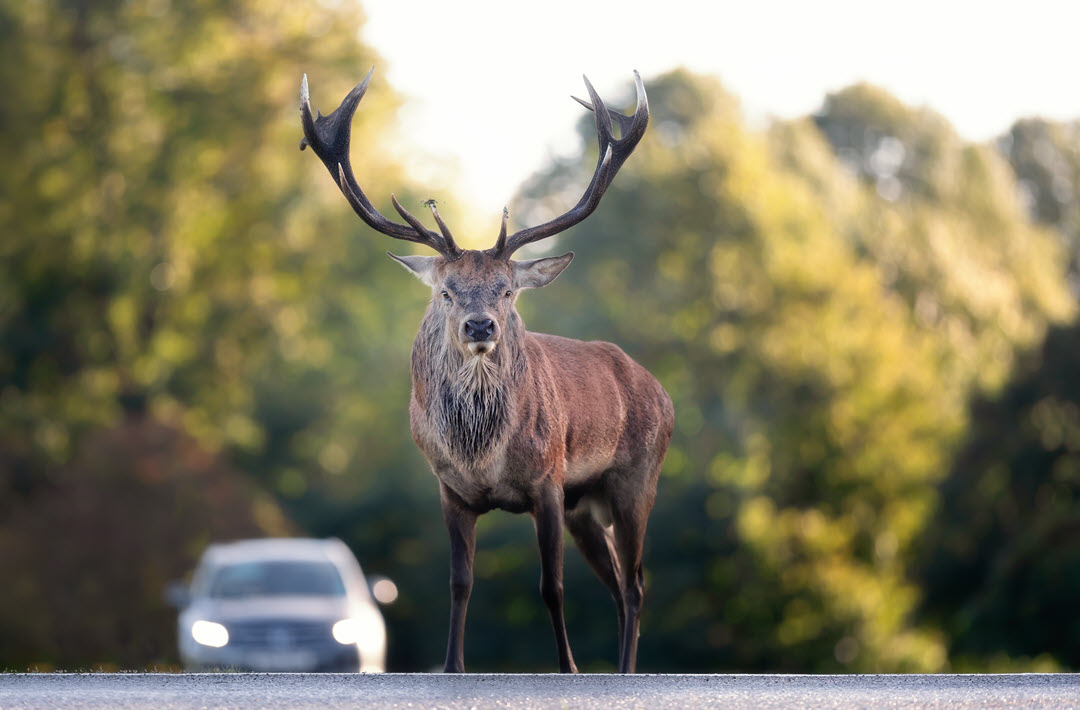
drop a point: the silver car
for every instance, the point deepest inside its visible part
(290, 605)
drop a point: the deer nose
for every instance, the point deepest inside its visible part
(479, 330)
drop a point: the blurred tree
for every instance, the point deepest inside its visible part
(88, 554)
(993, 604)
(1046, 158)
(1001, 563)
(168, 253)
(943, 221)
(820, 336)
(163, 234)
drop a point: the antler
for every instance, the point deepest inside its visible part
(613, 153)
(329, 137)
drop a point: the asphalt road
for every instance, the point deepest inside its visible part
(481, 691)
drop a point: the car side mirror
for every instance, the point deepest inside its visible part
(383, 589)
(176, 594)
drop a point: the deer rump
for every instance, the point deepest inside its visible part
(572, 433)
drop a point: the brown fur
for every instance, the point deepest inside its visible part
(540, 419)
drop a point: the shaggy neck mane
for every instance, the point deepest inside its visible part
(468, 398)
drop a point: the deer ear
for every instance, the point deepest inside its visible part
(422, 267)
(534, 273)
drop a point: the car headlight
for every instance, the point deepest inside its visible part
(209, 633)
(365, 629)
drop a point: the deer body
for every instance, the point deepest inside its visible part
(552, 409)
(572, 433)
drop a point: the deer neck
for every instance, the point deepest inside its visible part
(469, 400)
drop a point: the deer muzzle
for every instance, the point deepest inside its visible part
(479, 334)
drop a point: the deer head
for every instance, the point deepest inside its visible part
(475, 290)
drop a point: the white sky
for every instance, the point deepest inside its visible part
(487, 84)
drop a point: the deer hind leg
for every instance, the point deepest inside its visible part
(597, 546)
(629, 543)
(548, 516)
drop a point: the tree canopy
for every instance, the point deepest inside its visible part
(820, 339)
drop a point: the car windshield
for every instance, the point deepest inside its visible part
(276, 578)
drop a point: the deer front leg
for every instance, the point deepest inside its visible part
(549, 533)
(461, 524)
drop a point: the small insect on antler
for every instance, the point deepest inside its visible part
(613, 153)
(329, 137)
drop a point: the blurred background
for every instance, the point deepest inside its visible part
(866, 317)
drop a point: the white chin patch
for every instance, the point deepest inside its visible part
(481, 348)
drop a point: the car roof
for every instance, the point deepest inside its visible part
(330, 550)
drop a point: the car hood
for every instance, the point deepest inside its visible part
(313, 608)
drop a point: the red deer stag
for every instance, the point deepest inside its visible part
(570, 432)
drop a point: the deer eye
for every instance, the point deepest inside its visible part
(508, 294)
(446, 296)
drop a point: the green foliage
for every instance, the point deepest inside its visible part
(1000, 562)
(1046, 159)
(165, 232)
(169, 254)
(943, 222)
(820, 340)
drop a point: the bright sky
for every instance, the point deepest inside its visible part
(487, 84)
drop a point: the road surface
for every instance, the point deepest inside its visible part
(483, 691)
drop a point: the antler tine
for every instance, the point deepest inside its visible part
(329, 137)
(407, 215)
(628, 125)
(442, 226)
(500, 243)
(416, 234)
(603, 120)
(623, 121)
(612, 154)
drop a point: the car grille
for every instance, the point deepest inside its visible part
(279, 634)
